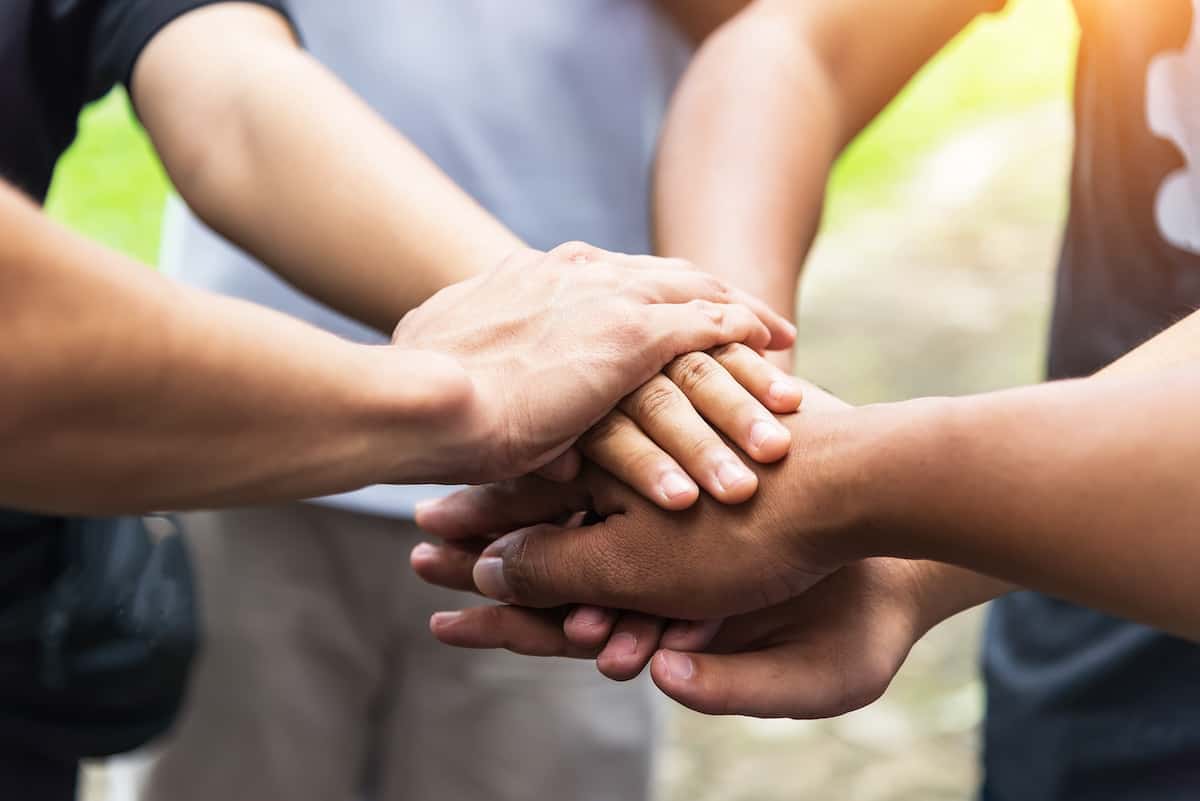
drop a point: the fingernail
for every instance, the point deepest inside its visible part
(624, 644)
(489, 578)
(424, 551)
(675, 484)
(730, 474)
(679, 666)
(781, 390)
(444, 619)
(762, 432)
(589, 616)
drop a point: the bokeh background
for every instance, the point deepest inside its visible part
(932, 275)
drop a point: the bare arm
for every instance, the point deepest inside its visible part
(270, 149)
(123, 391)
(770, 100)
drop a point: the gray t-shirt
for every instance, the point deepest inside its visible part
(546, 111)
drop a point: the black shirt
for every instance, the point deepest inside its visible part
(55, 56)
(1082, 705)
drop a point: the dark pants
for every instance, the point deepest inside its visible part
(29, 776)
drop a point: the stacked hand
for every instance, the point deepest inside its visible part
(810, 628)
(547, 345)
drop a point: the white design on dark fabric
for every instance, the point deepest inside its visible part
(1173, 111)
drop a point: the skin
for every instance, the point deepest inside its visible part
(906, 513)
(732, 191)
(158, 408)
(1029, 487)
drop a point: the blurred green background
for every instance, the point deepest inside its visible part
(111, 187)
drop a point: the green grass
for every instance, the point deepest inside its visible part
(111, 187)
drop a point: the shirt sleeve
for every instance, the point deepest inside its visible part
(123, 28)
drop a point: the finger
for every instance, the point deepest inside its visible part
(690, 635)
(589, 626)
(679, 328)
(563, 468)
(774, 388)
(522, 631)
(780, 681)
(783, 330)
(499, 507)
(448, 565)
(660, 423)
(634, 640)
(729, 407)
(617, 445)
(685, 282)
(545, 566)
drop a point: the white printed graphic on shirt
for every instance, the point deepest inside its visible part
(1173, 101)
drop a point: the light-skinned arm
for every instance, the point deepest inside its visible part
(775, 92)
(275, 153)
(124, 392)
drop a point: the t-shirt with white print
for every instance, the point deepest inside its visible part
(1082, 705)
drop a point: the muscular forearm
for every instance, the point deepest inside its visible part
(124, 392)
(276, 154)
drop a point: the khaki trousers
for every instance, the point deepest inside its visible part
(320, 682)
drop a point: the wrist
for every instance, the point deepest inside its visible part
(896, 488)
(416, 408)
(871, 463)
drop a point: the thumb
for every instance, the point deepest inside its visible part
(546, 565)
(781, 681)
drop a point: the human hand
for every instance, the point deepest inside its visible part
(552, 342)
(711, 561)
(829, 651)
(667, 434)
(832, 650)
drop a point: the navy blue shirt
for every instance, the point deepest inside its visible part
(1083, 706)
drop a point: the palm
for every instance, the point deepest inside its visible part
(827, 652)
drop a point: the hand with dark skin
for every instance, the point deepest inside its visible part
(1028, 487)
(829, 651)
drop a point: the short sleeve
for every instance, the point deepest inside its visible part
(123, 28)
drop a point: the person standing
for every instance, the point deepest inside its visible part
(320, 678)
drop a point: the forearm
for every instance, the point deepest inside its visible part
(124, 392)
(1084, 490)
(745, 155)
(770, 100)
(274, 152)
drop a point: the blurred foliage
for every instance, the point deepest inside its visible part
(1002, 64)
(111, 187)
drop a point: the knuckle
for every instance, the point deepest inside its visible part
(524, 570)
(654, 401)
(577, 252)
(731, 353)
(713, 311)
(720, 290)
(692, 371)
